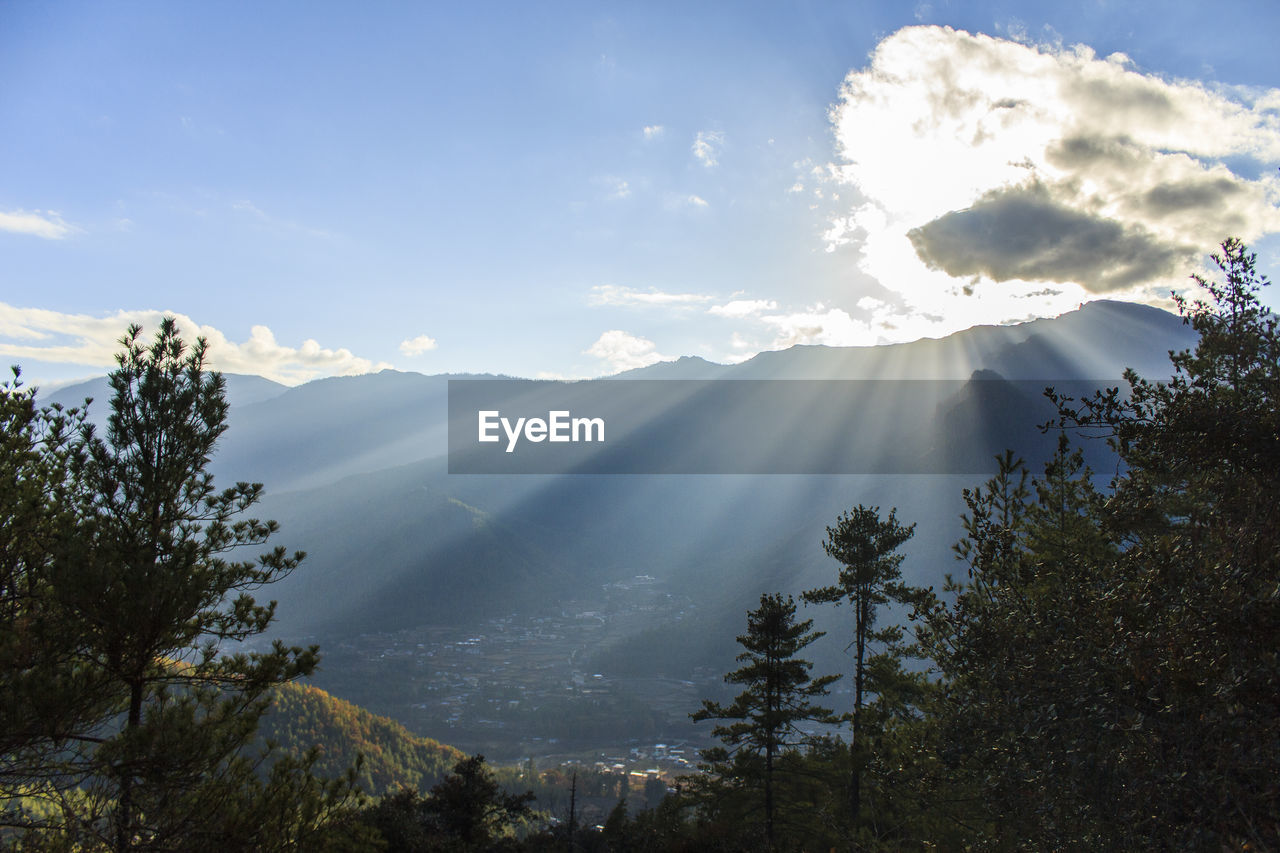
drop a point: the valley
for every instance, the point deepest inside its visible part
(584, 617)
(525, 685)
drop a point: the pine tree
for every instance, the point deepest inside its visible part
(1016, 650)
(128, 719)
(470, 808)
(778, 697)
(47, 700)
(869, 579)
(1110, 675)
(159, 595)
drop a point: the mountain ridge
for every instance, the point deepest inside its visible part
(356, 476)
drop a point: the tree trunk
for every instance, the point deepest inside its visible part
(768, 794)
(855, 748)
(573, 809)
(124, 814)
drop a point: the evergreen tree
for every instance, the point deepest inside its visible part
(126, 716)
(778, 696)
(1019, 650)
(1196, 510)
(616, 832)
(470, 807)
(400, 820)
(158, 593)
(869, 579)
(1110, 675)
(47, 700)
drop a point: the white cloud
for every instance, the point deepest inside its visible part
(832, 327)
(418, 345)
(624, 351)
(875, 321)
(707, 145)
(34, 333)
(675, 202)
(614, 187)
(37, 223)
(613, 294)
(739, 308)
(653, 131)
(997, 167)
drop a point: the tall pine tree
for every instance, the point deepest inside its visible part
(869, 579)
(125, 578)
(764, 718)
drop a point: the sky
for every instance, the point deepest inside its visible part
(568, 190)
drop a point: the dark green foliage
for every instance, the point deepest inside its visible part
(615, 834)
(1110, 663)
(765, 716)
(155, 585)
(46, 698)
(869, 579)
(285, 806)
(470, 806)
(1019, 651)
(467, 811)
(124, 575)
(400, 820)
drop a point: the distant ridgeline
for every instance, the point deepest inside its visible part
(355, 474)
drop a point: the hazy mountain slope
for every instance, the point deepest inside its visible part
(410, 543)
(331, 428)
(396, 548)
(1097, 341)
(241, 391)
(323, 431)
(354, 474)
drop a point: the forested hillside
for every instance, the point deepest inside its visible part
(386, 754)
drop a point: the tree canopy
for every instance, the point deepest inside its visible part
(1109, 661)
(764, 719)
(125, 577)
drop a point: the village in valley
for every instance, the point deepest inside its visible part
(524, 687)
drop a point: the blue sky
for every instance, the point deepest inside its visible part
(573, 189)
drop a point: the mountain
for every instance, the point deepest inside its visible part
(321, 432)
(241, 391)
(1097, 341)
(398, 548)
(500, 612)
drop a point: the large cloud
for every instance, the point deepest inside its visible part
(986, 168)
(1025, 233)
(52, 336)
